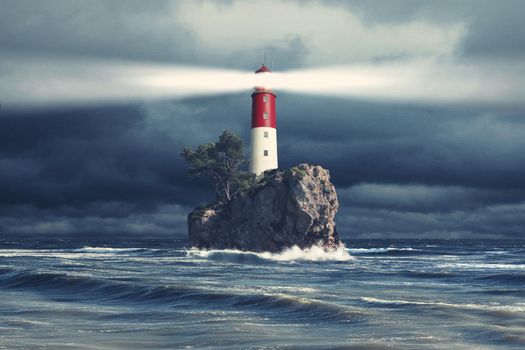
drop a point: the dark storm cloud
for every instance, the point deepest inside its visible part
(424, 198)
(363, 142)
(100, 171)
(99, 219)
(79, 156)
(491, 222)
(423, 211)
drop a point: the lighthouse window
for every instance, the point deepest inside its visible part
(265, 115)
(266, 134)
(265, 98)
(266, 153)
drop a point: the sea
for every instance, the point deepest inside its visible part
(163, 294)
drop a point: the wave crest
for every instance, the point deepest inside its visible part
(516, 307)
(314, 253)
(89, 249)
(384, 250)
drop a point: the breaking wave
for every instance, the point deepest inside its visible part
(477, 266)
(89, 249)
(517, 307)
(430, 274)
(105, 250)
(79, 254)
(314, 253)
(380, 250)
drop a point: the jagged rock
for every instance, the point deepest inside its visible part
(284, 208)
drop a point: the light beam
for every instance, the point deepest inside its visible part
(59, 81)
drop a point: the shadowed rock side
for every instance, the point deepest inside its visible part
(285, 208)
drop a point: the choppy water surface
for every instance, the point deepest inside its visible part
(372, 295)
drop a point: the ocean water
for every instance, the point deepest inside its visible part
(161, 295)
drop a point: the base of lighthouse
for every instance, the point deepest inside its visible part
(263, 150)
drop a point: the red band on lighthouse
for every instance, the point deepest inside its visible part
(263, 109)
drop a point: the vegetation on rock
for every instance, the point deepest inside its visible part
(221, 163)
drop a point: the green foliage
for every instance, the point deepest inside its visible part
(296, 171)
(220, 162)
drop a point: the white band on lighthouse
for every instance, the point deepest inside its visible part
(263, 149)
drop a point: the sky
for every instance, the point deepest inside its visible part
(411, 163)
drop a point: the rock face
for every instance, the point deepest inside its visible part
(285, 208)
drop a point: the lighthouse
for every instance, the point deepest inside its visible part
(263, 154)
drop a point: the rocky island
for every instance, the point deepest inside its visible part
(272, 212)
(284, 208)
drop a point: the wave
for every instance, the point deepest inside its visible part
(314, 253)
(85, 252)
(505, 278)
(429, 274)
(89, 249)
(84, 288)
(517, 307)
(380, 250)
(28, 279)
(481, 266)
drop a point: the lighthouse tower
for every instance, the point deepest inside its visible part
(264, 133)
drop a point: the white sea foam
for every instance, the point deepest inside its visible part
(377, 250)
(517, 307)
(7, 253)
(314, 253)
(89, 249)
(85, 252)
(481, 266)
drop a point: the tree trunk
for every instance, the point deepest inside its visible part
(227, 190)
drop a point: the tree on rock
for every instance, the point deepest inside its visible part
(221, 162)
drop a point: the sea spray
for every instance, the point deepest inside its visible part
(517, 307)
(314, 253)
